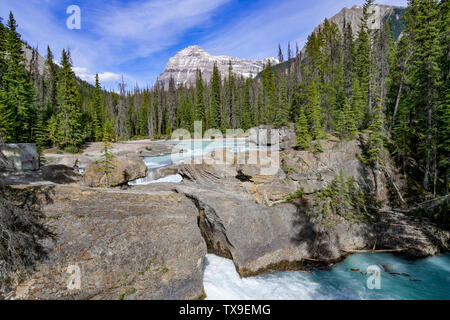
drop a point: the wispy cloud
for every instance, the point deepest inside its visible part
(84, 74)
(114, 34)
(257, 33)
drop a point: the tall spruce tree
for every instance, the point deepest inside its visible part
(424, 29)
(302, 131)
(69, 118)
(18, 86)
(315, 113)
(214, 111)
(199, 113)
(282, 112)
(97, 110)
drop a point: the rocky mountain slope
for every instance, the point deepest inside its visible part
(184, 65)
(380, 13)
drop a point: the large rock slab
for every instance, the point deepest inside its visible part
(124, 171)
(314, 171)
(283, 138)
(285, 236)
(127, 245)
(19, 157)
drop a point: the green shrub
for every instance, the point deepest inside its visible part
(299, 194)
(72, 149)
(341, 197)
(289, 170)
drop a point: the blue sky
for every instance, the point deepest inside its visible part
(136, 38)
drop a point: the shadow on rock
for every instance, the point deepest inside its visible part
(21, 234)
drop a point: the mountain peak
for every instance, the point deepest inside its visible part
(184, 65)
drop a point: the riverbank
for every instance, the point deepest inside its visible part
(151, 241)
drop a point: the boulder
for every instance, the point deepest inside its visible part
(19, 157)
(124, 171)
(160, 173)
(123, 244)
(267, 136)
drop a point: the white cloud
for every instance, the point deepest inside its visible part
(141, 29)
(112, 35)
(257, 34)
(84, 74)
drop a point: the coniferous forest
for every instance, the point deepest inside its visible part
(393, 90)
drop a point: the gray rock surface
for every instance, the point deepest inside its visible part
(183, 67)
(264, 135)
(125, 170)
(19, 157)
(286, 237)
(127, 245)
(354, 15)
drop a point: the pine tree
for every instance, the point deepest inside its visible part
(214, 111)
(443, 111)
(51, 74)
(315, 113)
(346, 122)
(69, 118)
(97, 110)
(280, 54)
(375, 142)
(423, 27)
(269, 95)
(199, 114)
(228, 118)
(143, 114)
(282, 112)
(246, 122)
(303, 136)
(3, 33)
(348, 54)
(107, 158)
(362, 63)
(6, 123)
(18, 85)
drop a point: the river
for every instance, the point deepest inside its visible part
(425, 279)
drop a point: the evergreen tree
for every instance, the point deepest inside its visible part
(51, 74)
(246, 122)
(362, 66)
(69, 119)
(269, 95)
(18, 86)
(107, 158)
(443, 111)
(144, 114)
(199, 114)
(375, 142)
(303, 136)
(214, 111)
(97, 110)
(6, 122)
(315, 113)
(423, 27)
(229, 108)
(282, 112)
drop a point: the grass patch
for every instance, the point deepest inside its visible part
(299, 194)
(127, 293)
